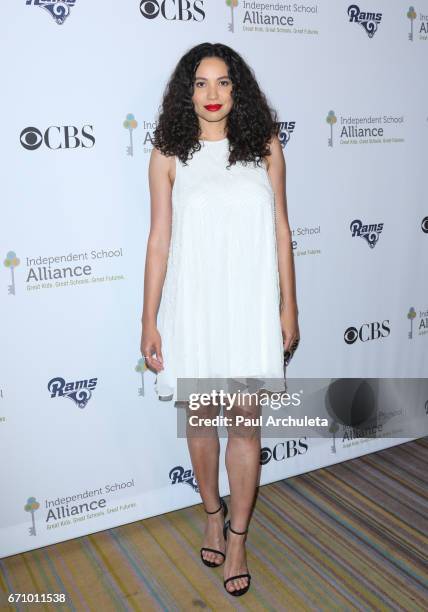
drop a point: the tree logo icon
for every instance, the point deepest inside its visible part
(331, 120)
(31, 506)
(233, 4)
(333, 429)
(411, 14)
(411, 315)
(141, 367)
(130, 124)
(11, 262)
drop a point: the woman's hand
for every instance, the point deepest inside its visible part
(289, 326)
(151, 350)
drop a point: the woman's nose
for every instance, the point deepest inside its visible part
(212, 92)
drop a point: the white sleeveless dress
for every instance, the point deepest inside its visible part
(219, 311)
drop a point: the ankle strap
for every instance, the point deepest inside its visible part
(218, 509)
(236, 532)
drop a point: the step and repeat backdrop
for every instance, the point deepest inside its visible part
(85, 443)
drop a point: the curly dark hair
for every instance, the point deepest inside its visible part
(250, 124)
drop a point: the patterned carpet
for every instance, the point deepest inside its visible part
(348, 537)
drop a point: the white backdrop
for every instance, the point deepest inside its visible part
(75, 207)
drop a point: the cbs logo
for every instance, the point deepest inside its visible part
(57, 137)
(183, 10)
(283, 451)
(367, 331)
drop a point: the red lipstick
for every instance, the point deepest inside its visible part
(213, 107)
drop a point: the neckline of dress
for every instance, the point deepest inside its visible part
(213, 141)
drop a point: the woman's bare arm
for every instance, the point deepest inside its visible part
(160, 184)
(277, 173)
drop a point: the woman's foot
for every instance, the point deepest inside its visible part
(236, 562)
(214, 538)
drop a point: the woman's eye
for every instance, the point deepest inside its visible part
(201, 83)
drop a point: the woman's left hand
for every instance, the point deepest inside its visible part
(289, 326)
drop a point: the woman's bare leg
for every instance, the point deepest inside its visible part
(243, 468)
(204, 449)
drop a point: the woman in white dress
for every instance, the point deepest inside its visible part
(219, 289)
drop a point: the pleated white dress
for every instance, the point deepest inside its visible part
(219, 311)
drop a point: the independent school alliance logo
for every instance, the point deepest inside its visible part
(370, 233)
(366, 129)
(64, 270)
(31, 506)
(411, 315)
(11, 262)
(353, 435)
(232, 4)
(331, 120)
(79, 391)
(411, 15)
(272, 18)
(422, 324)
(304, 235)
(141, 367)
(369, 21)
(351, 404)
(178, 475)
(173, 10)
(423, 30)
(130, 124)
(59, 10)
(286, 128)
(355, 406)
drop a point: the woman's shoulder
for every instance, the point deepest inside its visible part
(158, 157)
(161, 164)
(276, 154)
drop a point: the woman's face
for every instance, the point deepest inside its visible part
(212, 92)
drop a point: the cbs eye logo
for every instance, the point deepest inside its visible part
(149, 8)
(424, 225)
(351, 335)
(265, 455)
(31, 138)
(172, 10)
(57, 137)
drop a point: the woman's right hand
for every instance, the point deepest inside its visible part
(151, 350)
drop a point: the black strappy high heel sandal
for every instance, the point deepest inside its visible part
(236, 592)
(223, 506)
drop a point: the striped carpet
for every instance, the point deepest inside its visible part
(347, 537)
